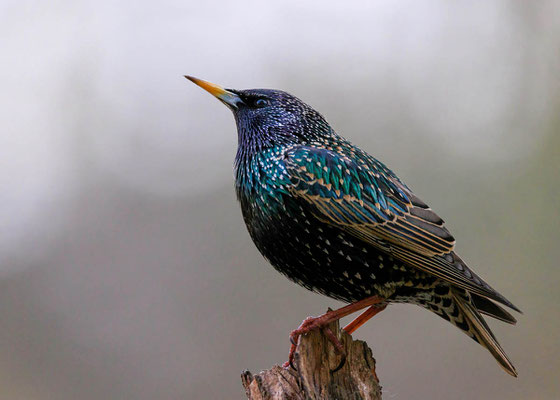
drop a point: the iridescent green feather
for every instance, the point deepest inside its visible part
(365, 198)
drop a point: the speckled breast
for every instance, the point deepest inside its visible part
(325, 259)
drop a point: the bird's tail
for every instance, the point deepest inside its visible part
(457, 306)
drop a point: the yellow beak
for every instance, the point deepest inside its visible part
(230, 99)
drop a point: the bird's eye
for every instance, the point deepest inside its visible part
(261, 103)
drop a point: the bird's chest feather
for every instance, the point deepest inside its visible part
(277, 222)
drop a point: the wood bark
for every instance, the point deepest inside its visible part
(315, 358)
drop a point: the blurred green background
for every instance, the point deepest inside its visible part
(126, 271)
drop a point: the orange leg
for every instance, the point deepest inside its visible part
(363, 318)
(312, 323)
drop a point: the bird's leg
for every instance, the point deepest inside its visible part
(312, 323)
(363, 318)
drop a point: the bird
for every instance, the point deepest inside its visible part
(337, 221)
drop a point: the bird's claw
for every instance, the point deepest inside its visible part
(292, 365)
(293, 340)
(338, 348)
(340, 364)
(290, 362)
(308, 325)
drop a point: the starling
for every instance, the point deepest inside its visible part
(337, 221)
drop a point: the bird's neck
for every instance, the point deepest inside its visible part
(253, 168)
(260, 176)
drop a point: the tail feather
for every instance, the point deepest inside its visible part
(463, 309)
(481, 331)
(488, 307)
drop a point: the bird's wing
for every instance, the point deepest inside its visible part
(363, 197)
(361, 194)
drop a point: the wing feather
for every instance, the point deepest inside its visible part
(362, 196)
(366, 198)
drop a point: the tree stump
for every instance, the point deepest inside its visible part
(315, 358)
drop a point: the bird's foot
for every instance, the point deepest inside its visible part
(314, 323)
(321, 322)
(338, 347)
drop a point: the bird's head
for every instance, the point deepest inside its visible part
(266, 117)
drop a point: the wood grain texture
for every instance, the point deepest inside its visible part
(314, 359)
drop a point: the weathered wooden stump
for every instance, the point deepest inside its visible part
(315, 359)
